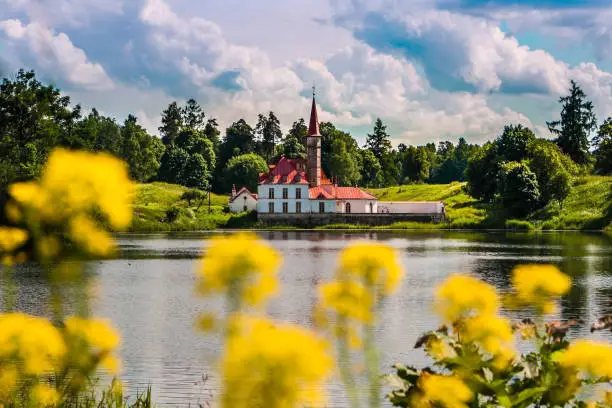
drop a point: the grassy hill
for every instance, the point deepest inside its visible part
(589, 206)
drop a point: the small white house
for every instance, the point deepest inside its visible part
(242, 200)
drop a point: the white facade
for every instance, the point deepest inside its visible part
(283, 198)
(411, 207)
(357, 206)
(243, 201)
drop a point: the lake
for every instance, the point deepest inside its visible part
(149, 294)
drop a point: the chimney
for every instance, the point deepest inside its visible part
(233, 190)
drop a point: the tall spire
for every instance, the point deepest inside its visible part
(313, 127)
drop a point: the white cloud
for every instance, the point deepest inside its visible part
(57, 55)
(54, 12)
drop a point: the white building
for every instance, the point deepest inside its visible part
(411, 207)
(242, 200)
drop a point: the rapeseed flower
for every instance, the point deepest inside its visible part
(34, 341)
(376, 265)
(97, 333)
(347, 299)
(90, 238)
(243, 266)
(538, 285)
(588, 357)
(11, 239)
(267, 365)
(463, 296)
(44, 395)
(493, 334)
(445, 391)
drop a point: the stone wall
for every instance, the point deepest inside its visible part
(308, 220)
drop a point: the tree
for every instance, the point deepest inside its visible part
(577, 121)
(415, 164)
(292, 148)
(342, 164)
(379, 142)
(211, 131)
(519, 189)
(482, 173)
(141, 151)
(603, 148)
(244, 170)
(173, 164)
(172, 122)
(195, 173)
(390, 169)
(513, 143)
(193, 115)
(239, 139)
(299, 130)
(269, 131)
(371, 171)
(553, 170)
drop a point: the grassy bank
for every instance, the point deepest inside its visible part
(589, 206)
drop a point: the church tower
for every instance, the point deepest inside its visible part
(313, 146)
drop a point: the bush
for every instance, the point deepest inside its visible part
(193, 195)
(519, 190)
(172, 214)
(519, 225)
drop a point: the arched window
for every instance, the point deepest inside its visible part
(372, 208)
(347, 208)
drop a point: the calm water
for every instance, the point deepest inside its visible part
(148, 293)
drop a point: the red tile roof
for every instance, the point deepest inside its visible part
(285, 172)
(332, 192)
(240, 191)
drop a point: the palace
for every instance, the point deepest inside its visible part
(295, 186)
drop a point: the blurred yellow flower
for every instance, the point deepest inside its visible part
(12, 238)
(8, 380)
(97, 333)
(445, 391)
(462, 296)
(348, 299)
(271, 365)
(439, 349)
(377, 265)
(537, 285)
(92, 240)
(44, 396)
(588, 357)
(242, 265)
(32, 340)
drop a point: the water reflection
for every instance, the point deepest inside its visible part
(148, 293)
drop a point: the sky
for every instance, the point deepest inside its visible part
(431, 69)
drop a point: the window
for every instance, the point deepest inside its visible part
(270, 207)
(321, 207)
(285, 208)
(245, 208)
(372, 208)
(348, 208)
(285, 193)
(271, 193)
(298, 193)
(298, 207)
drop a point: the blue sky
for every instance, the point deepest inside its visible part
(431, 69)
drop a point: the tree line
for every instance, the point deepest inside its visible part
(192, 151)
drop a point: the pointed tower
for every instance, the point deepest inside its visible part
(313, 146)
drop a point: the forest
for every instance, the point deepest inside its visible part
(516, 170)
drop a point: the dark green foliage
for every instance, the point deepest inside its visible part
(195, 173)
(299, 130)
(553, 170)
(519, 189)
(513, 143)
(140, 151)
(172, 122)
(269, 131)
(390, 169)
(416, 164)
(193, 195)
(371, 171)
(576, 123)
(292, 148)
(172, 165)
(379, 141)
(172, 214)
(519, 225)
(482, 173)
(603, 148)
(193, 115)
(244, 170)
(342, 164)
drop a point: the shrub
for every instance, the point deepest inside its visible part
(519, 225)
(172, 214)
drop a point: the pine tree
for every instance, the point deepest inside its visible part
(577, 121)
(172, 122)
(269, 131)
(379, 142)
(193, 115)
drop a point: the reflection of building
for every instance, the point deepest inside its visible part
(296, 186)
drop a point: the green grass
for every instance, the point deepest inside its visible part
(588, 207)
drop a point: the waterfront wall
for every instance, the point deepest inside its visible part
(307, 220)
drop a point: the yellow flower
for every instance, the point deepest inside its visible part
(447, 391)
(589, 357)
(439, 349)
(493, 334)
(44, 396)
(207, 322)
(33, 340)
(348, 299)
(111, 364)
(462, 296)
(271, 365)
(8, 380)
(12, 238)
(242, 265)
(374, 264)
(538, 284)
(96, 332)
(92, 240)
